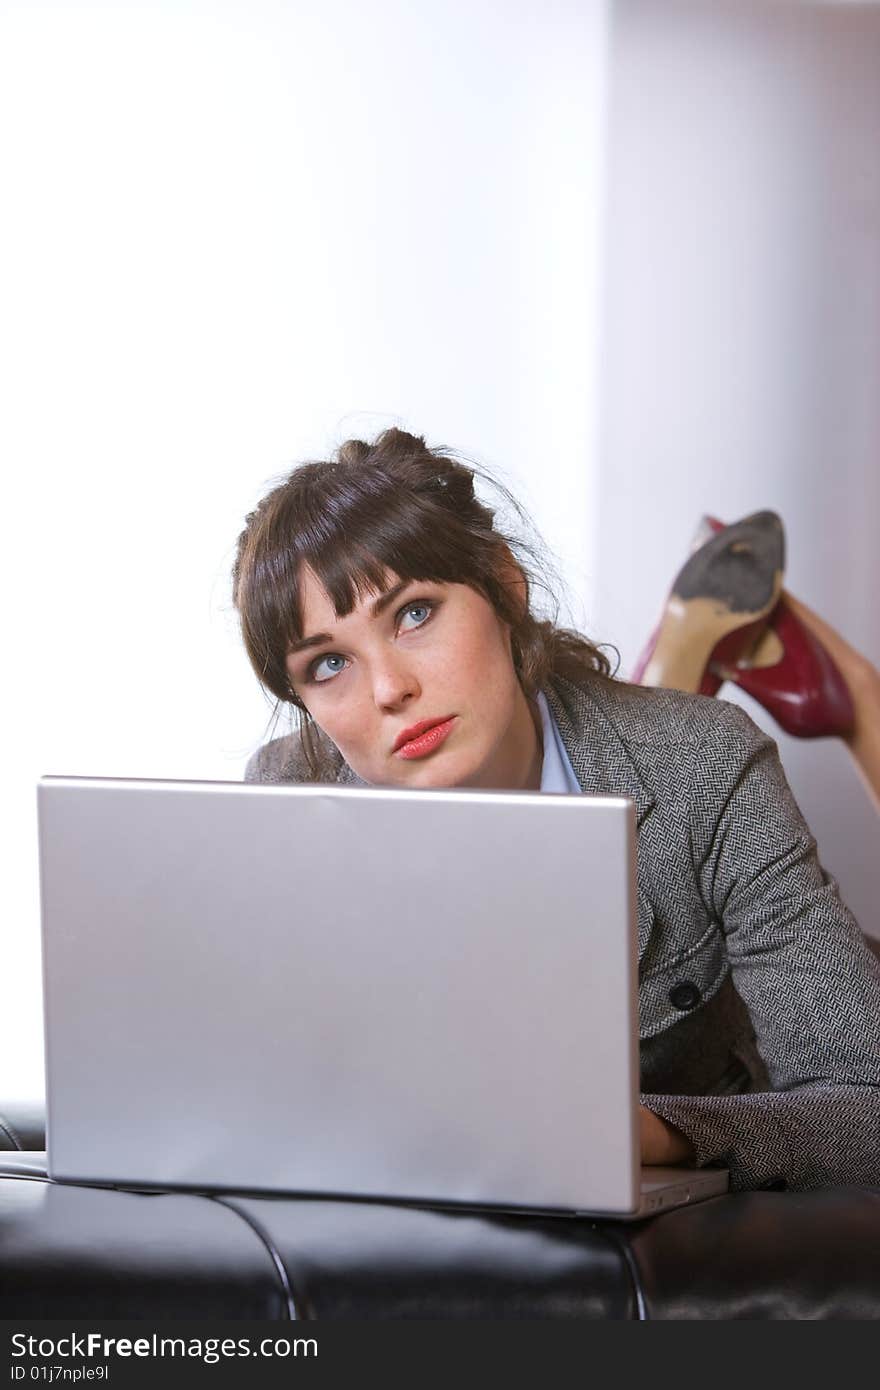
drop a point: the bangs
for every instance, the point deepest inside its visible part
(376, 514)
(410, 538)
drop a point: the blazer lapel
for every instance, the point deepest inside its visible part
(598, 754)
(603, 767)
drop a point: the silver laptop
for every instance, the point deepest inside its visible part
(421, 996)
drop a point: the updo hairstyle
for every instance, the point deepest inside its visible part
(393, 505)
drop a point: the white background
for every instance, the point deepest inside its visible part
(625, 253)
(239, 234)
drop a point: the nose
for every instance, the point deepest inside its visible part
(394, 681)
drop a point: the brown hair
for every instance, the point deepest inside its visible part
(391, 505)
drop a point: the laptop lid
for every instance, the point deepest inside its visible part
(418, 995)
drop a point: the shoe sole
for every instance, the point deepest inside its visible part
(731, 583)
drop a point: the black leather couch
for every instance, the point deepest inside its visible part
(71, 1251)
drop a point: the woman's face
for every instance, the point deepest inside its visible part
(416, 687)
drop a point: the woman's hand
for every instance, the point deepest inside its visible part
(660, 1142)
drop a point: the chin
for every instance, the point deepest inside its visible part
(441, 774)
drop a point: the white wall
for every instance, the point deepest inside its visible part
(233, 235)
(741, 332)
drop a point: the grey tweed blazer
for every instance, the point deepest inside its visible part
(759, 1001)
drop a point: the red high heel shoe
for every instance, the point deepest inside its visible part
(790, 673)
(803, 689)
(718, 606)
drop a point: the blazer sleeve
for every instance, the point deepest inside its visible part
(282, 760)
(800, 964)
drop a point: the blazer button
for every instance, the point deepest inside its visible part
(684, 995)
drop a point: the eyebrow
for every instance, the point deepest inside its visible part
(377, 607)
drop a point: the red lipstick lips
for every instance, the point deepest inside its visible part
(423, 738)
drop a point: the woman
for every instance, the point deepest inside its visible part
(379, 598)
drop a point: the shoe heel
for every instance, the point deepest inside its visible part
(719, 601)
(804, 691)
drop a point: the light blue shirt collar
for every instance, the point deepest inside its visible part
(557, 774)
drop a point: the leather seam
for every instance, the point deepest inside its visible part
(622, 1247)
(11, 1136)
(292, 1300)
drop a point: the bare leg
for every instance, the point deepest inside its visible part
(863, 680)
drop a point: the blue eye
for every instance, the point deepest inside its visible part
(411, 616)
(332, 662)
(420, 611)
